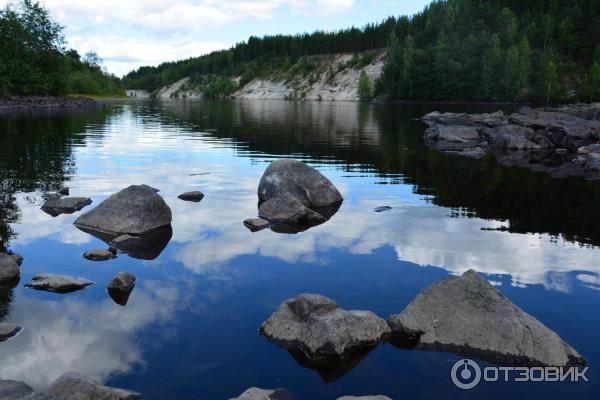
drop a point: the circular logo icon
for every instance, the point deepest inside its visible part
(465, 374)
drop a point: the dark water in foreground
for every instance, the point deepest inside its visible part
(190, 329)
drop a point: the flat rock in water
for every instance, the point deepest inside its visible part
(265, 394)
(136, 210)
(382, 208)
(256, 224)
(73, 386)
(8, 331)
(58, 283)
(469, 316)
(98, 255)
(9, 269)
(66, 205)
(319, 328)
(191, 196)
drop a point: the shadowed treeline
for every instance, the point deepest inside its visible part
(387, 143)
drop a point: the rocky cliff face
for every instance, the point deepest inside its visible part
(331, 78)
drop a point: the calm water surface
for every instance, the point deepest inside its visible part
(190, 329)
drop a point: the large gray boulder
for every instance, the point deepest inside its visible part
(467, 315)
(316, 326)
(8, 331)
(306, 184)
(255, 393)
(73, 386)
(295, 196)
(9, 269)
(66, 205)
(16, 390)
(136, 210)
(58, 283)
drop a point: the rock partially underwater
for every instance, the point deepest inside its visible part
(294, 196)
(322, 336)
(73, 386)
(58, 283)
(120, 287)
(56, 206)
(135, 220)
(469, 316)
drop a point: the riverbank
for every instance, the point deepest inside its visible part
(14, 103)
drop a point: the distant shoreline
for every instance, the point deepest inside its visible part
(17, 103)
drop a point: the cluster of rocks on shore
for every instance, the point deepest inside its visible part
(563, 142)
(15, 103)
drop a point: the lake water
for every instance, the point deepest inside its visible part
(190, 329)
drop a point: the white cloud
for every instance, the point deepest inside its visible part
(123, 54)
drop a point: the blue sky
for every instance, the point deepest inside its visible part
(131, 33)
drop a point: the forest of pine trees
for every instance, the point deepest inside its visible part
(498, 50)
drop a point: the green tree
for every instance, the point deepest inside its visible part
(549, 79)
(364, 87)
(491, 68)
(407, 67)
(593, 81)
(524, 65)
(390, 74)
(511, 73)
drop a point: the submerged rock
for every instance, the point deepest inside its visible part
(191, 196)
(66, 205)
(136, 210)
(9, 268)
(8, 331)
(73, 386)
(58, 283)
(316, 326)
(255, 393)
(296, 196)
(382, 208)
(256, 224)
(467, 315)
(120, 287)
(16, 390)
(98, 255)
